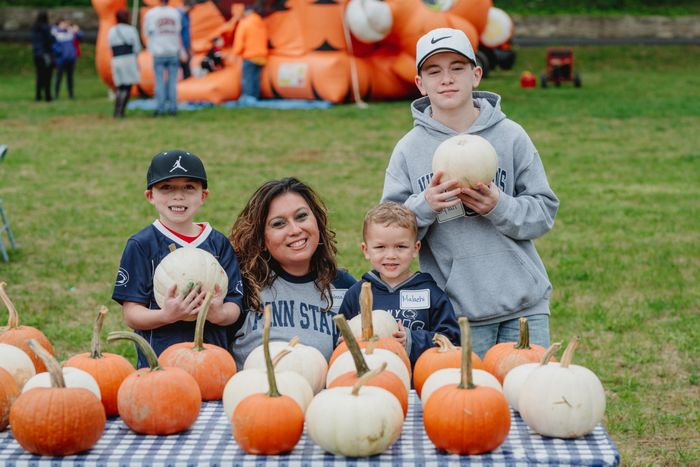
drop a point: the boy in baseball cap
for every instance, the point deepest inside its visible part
(477, 243)
(176, 185)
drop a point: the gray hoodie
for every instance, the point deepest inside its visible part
(488, 265)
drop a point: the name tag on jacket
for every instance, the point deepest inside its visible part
(415, 299)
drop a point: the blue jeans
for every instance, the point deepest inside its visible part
(250, 84)
(485, 337)
(165, 70)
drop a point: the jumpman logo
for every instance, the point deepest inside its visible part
(177, 165)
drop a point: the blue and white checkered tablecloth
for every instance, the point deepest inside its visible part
(209, 442)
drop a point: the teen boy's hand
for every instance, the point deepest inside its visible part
(480, 199)
(442, 195)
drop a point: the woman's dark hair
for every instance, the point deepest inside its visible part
(42, 17)
(248, 240)
(123, 16)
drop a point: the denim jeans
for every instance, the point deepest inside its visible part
(250, 85)
(485, 337)
(165, 70)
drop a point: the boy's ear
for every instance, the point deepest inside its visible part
(205, 194)
(478, 74)
(419, 85)
(149, 195)
(365, 250)
(417, 248)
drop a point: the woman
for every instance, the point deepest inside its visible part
(125, 44)
(42, 41)
(287, 258)
(65, 53)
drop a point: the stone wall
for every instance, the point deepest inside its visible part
(15, 24)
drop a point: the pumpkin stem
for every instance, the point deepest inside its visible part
(172, 247)
(554, 348)
(140, 342)
(443, 343)
(286, 351)
(366, 377)
(13, 317)
(201, 321)
(52, 365)
(271, 380)
(569, 353)
(466, 377)
(524, 339)
(95, 349)
(353, 346)
(366, 311)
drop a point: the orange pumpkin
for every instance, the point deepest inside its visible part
(445, 355)
(368, 332)
(108, 369)
(464, 418)
(17, 335)
(8, 393)
(156, 400)
(56, 421)
(503, 357)
(385, 379)
(210, 365)
(271, 423)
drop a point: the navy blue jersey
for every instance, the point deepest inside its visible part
(142, 254)
(421, 306)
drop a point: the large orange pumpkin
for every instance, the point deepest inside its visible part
(445, 355)
(108, 369)
(385, 379)
(8, 393)
(368, 332)
(56, 421)
(464, 418)
(156, 400)
(210, 365)
(503, 357)
(271, 423)
(17, 335)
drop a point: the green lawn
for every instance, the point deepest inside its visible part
(622, 153)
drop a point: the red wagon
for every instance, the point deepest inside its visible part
(560, 68)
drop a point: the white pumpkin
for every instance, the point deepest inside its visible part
(355, 421)
(562, 401)
(17, 363)
(303, 359)
(447, 376)
(383, 322)
(344, 364)
(74, 378)
(466, 158)
(186, 267)
(254, 381)
(369, 20)
(515, 378)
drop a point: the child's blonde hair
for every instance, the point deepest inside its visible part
(391, 213)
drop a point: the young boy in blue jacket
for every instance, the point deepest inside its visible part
(414, 299)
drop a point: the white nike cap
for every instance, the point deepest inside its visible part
(443, 40)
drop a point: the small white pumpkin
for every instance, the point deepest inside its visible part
(562, 401)
(515, 378)
(374, 358)
(303, 359)
(447, 376)
(73, 377)
(255, 381)
(17, 363)
(187, 267)
(466, 158)
(355, 421)
(383, 323)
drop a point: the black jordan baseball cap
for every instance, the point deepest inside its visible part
(174, 164)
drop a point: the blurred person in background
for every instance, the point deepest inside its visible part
(42, 41)
(125, 44)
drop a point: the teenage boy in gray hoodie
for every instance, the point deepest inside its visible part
(477, 242)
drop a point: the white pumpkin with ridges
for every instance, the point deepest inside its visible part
(73, 377)
(17, 363)
(466, 158)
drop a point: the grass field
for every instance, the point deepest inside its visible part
(622, 153)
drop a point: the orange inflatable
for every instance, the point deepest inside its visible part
(335, 50)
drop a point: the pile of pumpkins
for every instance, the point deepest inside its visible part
(354, 405)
